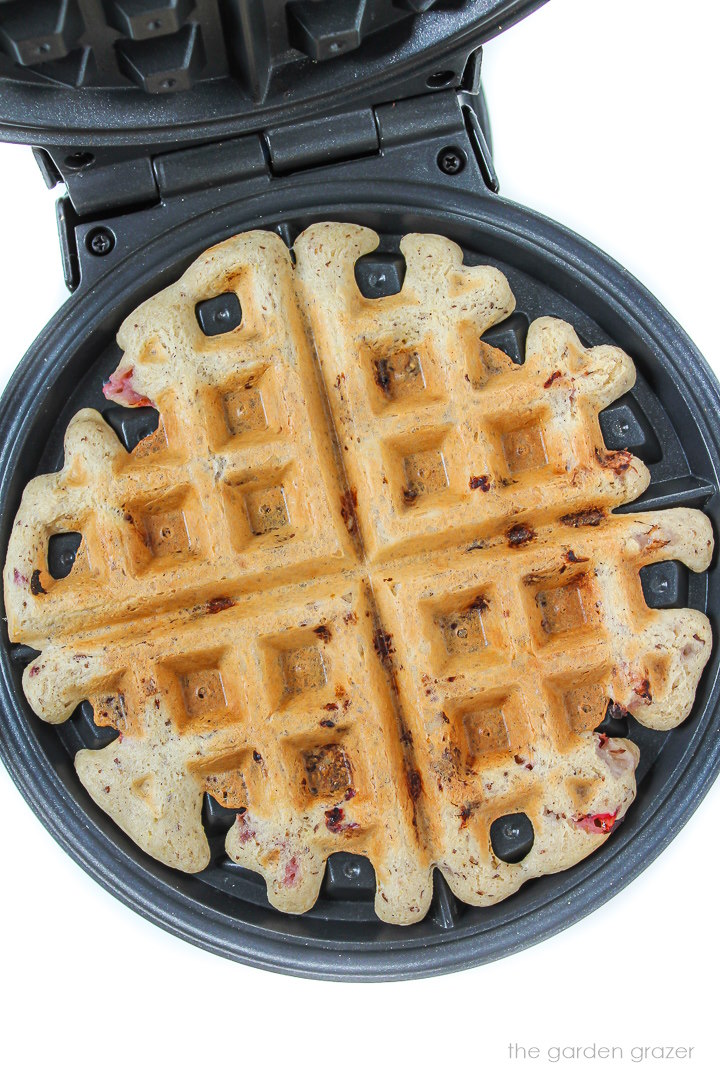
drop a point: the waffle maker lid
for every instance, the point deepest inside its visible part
(128, 73)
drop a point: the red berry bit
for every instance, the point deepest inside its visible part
(292, 873)
(245, 830)
(335, 821)
(597, 823)
(119, 388)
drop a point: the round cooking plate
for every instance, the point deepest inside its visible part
(667, 420)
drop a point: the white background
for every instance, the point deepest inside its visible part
(604, 117)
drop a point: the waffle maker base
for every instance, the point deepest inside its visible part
(669, 419)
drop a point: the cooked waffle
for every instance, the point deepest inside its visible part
(362, 585)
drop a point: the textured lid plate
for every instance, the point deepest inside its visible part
(115, 72)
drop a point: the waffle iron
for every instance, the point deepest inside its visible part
(177, 123)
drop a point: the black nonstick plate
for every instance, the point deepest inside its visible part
(670, 419)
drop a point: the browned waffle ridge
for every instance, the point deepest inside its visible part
(363, 585)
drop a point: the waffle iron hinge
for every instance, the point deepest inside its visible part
(322, 142)
(118, 199)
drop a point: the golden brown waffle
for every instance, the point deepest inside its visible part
(363, 585)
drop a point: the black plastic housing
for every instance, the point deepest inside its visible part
(149, 189)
